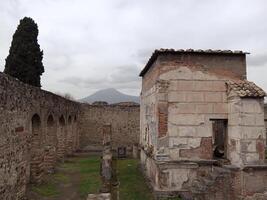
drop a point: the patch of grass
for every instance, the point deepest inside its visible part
(90, 175)
(60, 177)
(132, 183)
(46, 190)
(171, 198)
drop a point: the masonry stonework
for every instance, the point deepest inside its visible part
(202, 125)
(123, 118)
(32, 133)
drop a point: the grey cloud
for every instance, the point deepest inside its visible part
(124, 74)
(258, 60)
(123, 77)
(84, 42)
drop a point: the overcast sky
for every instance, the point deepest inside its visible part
(95, 44)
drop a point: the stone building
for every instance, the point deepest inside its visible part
(39, 128)
(202, 126)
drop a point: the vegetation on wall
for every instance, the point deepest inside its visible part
(25, 57)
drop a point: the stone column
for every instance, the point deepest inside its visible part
(106, 162)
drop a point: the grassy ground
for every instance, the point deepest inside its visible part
(73, 179)
(79, 176)
(132, 184)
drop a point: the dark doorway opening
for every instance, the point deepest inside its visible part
(219, 130)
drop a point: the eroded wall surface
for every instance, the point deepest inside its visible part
(37, 128)
(180, 100)
(124, 120)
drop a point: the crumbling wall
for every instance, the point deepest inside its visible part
(246, 130)
(30, 134)
(125, 121)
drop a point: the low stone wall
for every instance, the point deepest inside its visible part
(36, 129)
(124, 120)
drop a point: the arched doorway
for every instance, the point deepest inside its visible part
(36, 152)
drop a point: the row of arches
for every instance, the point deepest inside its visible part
(50, 141)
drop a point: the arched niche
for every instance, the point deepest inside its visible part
(61, 136)
(62, 121)
(36, 152)
(70, 136)
(50, 121)
(69, 119)
(50, 143)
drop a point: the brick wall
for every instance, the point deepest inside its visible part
(124, 120)
(30, 134)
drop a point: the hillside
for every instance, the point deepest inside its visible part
(110, 96)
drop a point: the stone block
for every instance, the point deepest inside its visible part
(194, 97)
(220, 108)
(258, 106)
(248, 105)
(172, 130)
(187, 131)
(235, 107)
(204, 108)
(187, 119)
(235, 132)
(234, 119)
(219, 86)
(162, 97)
(174, 154)
(259, 119)
(186, 85)
(194, 142)
(248, 119)
(183, 73)
(178, 142)
(203, 85)
(204, 131)
(174, 85)
(180, 108)
(174, 96)
(213, 97)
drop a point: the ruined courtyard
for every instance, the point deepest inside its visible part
(198, 133)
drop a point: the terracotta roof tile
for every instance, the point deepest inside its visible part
(245, 88)
(173, 51)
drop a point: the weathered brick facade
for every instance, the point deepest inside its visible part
(123, 118)
(32, 134)
(198, 112)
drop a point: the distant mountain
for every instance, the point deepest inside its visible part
(111, 96)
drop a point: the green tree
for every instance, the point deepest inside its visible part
(25, 57)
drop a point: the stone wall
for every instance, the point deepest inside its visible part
(37, 128)
(189, 114)
(124, 120)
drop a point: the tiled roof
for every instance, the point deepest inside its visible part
(158, 52)
(245, 88)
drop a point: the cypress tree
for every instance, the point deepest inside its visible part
(25, 57)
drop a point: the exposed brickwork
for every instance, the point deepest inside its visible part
(125, 120)
(184, 98)
(163, 119)
(29, 134)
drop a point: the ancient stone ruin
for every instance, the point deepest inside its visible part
(202, 126)
(39, 129)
